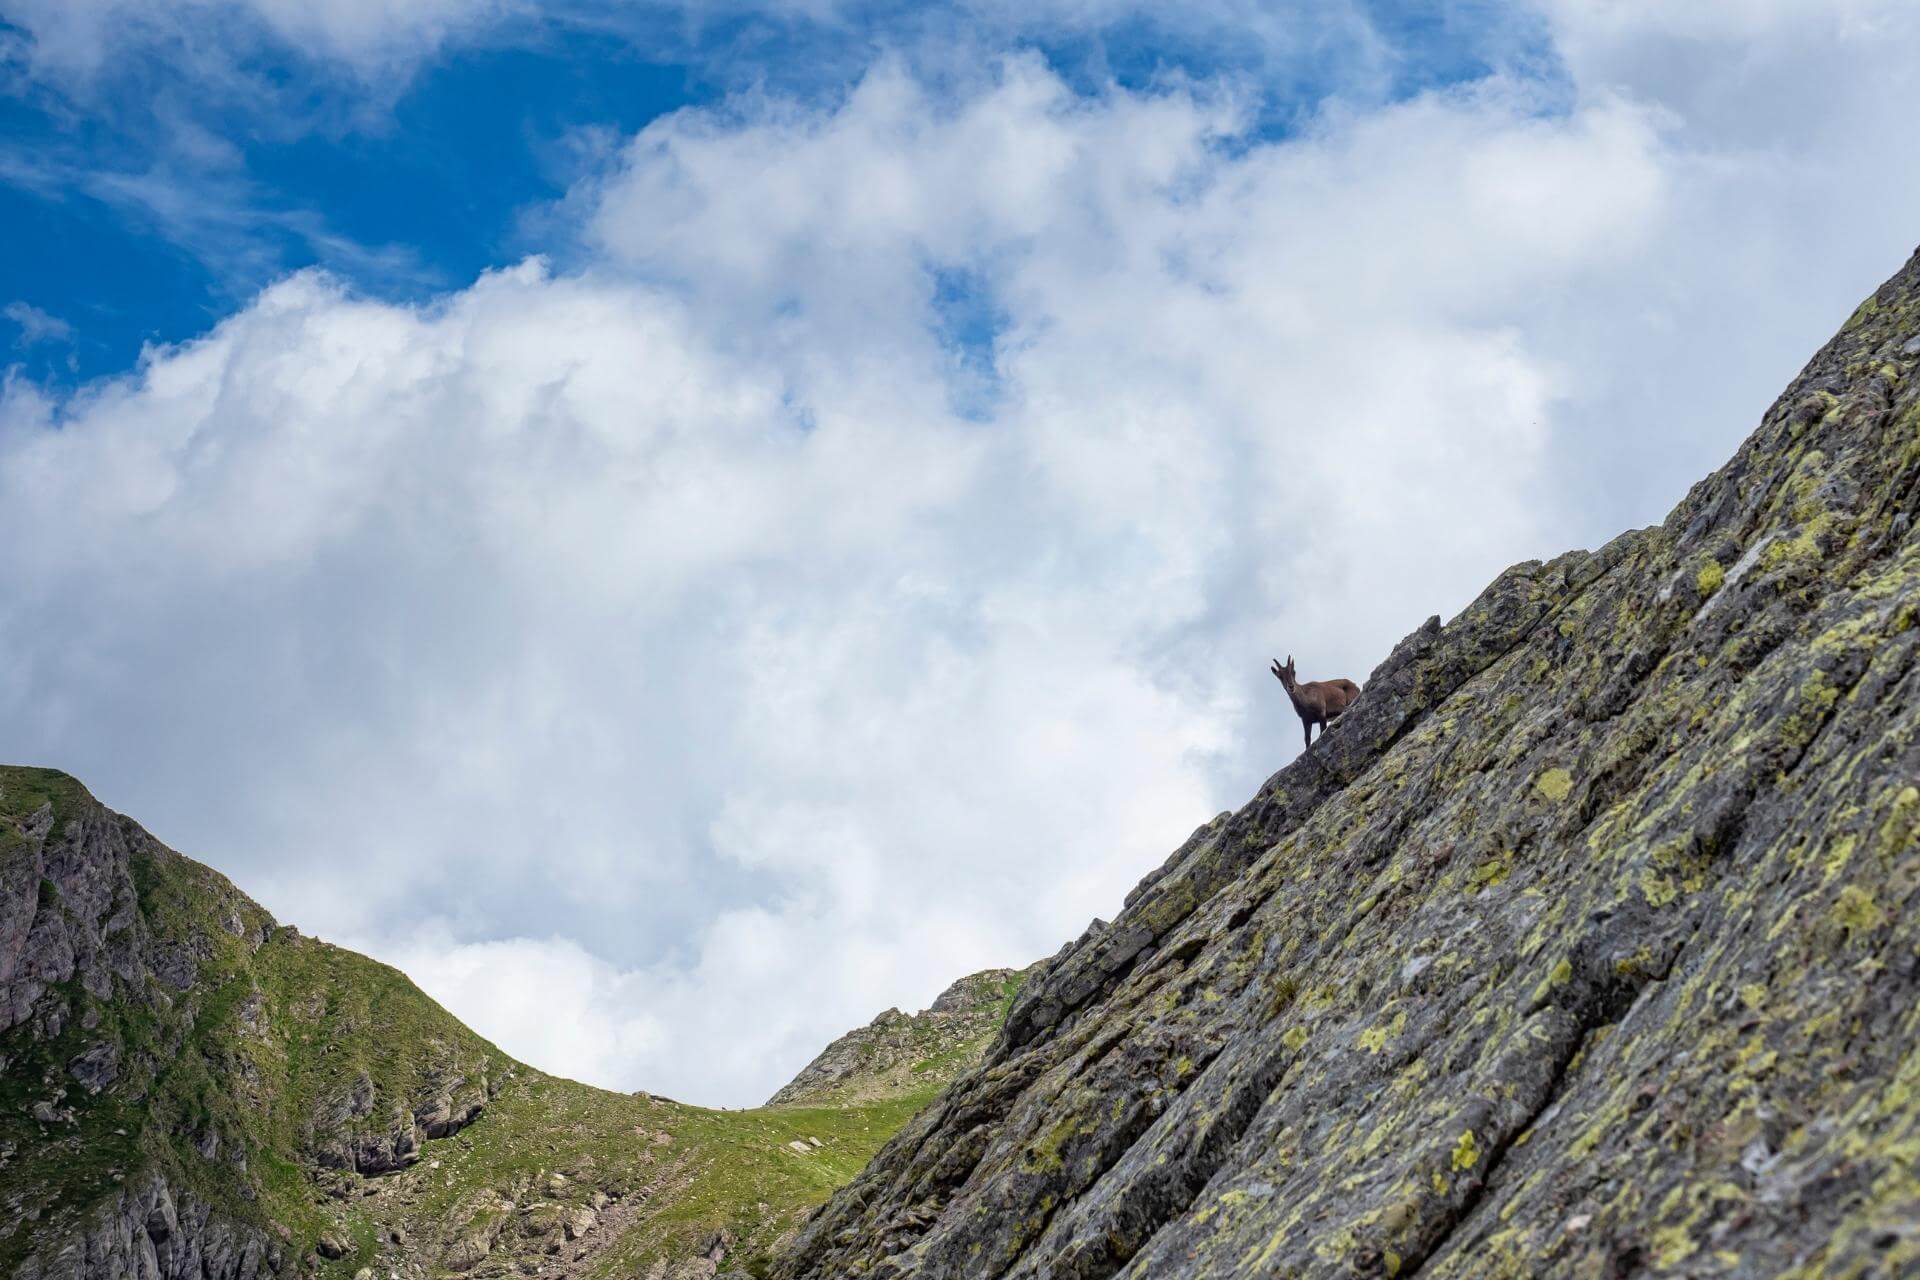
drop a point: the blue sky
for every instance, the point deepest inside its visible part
(163, 191)
(405, 200)
(690, 525)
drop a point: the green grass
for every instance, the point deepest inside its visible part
(277, 1025)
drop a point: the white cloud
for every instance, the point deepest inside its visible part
(376, 41)
(36, 326)
(79, 37)
(863, 567)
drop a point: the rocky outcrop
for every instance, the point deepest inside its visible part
(900, 1052)
(352, 1131)
(152, 1231)
(1584, 944)
(67, 907)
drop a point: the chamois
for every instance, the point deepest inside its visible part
(1316, 701)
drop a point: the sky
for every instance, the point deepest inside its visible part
(685, 525)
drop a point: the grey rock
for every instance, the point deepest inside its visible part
(154, 1232)
(1666, 861)
(98, 1067)
(578, 1222)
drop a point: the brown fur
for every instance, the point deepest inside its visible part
(1316, 701)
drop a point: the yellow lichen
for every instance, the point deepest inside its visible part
(1466, 1152)
(1837, 857)
(1672, 1246)
(1376, 1038)
(1558, 976)
(1554, 784)
(1856, 911)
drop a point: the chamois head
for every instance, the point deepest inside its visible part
(1284, 674)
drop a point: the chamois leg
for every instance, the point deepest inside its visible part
(1306, 727)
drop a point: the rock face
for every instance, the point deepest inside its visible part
(899, 1052)
(153, 1231)
(1585, 944)
(170, 1053)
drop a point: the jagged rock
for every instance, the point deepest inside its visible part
(152, 1231)
(333, 1244)
(443, 1116)
(468, 1249)
(1583, 944)
(97, 1067)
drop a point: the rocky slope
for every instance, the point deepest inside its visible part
(899, 1052)
(190, 1091)
(1584, 945)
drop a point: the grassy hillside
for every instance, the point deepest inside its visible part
(301, 1108)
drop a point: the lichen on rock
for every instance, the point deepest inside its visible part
(1583, 944)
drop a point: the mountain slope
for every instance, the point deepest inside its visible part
(897, 1053)
(191, 1090)
(1583, 945)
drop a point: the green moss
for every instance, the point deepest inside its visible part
(1554, 784)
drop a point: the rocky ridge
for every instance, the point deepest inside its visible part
(1584, 944)
(191, 1091)
(899, 1052)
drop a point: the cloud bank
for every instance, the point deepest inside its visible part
(859, 565)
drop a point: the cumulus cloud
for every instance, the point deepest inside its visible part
(861, 566)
